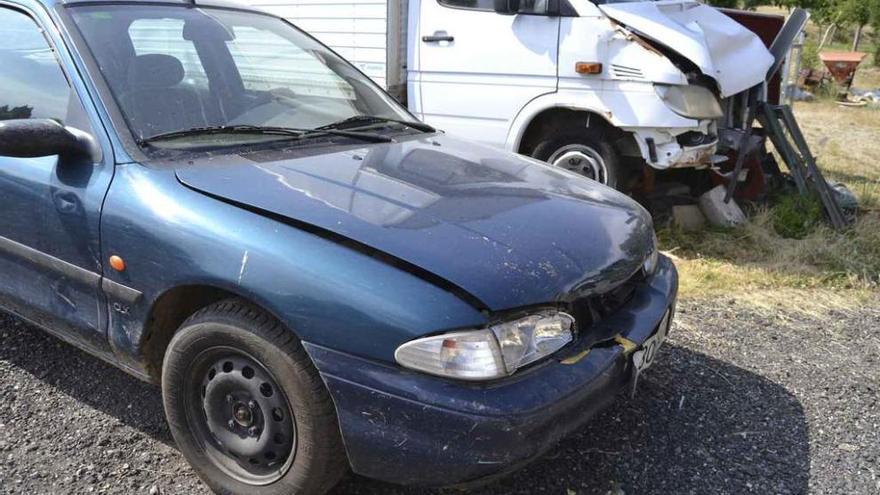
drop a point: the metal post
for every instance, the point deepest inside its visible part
(790, 78)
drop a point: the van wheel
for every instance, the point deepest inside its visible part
(247, 407)
(584, 152)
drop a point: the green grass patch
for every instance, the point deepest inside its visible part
(796, 216)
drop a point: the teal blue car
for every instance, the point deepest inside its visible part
(208, 198)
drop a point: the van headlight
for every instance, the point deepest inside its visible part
(489, 353)
(693, 102)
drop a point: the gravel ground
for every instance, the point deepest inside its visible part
(739, 402)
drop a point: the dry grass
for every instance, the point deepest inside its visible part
(868, 75)
(825, 270)
(845, 141)
(754, 264)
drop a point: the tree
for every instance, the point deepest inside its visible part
(857, 12)
(875, 23)
(831, 14)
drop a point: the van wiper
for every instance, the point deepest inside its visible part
(370, 119)
(265, 130)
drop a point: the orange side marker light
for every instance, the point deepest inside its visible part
(588, 68)
(117, 263)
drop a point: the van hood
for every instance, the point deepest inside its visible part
(508, 230)
(721, 47)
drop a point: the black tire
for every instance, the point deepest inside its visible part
(556, 143)
(307, 456)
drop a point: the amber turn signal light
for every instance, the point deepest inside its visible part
(588, 68)
(117, 263)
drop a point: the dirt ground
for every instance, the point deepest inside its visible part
(741, 401)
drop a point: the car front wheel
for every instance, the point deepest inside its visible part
(247, 407)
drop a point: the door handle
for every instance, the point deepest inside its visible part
(437, 37)
(65, 201)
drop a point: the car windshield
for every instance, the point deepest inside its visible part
(174, 68)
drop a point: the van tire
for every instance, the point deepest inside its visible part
(590, 154)
(225, 360)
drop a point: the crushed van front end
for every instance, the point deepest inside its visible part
(672, 66)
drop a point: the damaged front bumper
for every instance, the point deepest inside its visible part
(408, 428)
(664, 150)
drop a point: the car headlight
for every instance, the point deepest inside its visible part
(653, 259)
(488, 353)
(694, 102)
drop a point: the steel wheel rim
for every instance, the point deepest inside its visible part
(582, 160)
(240, 416)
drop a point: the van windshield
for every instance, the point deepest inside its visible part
(172, 69)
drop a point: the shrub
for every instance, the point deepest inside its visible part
(810, 55)
(796, 216)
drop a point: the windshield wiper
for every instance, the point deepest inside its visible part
(370, 119)
(265, 130)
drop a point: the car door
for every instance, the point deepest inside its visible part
(50, 260)
(476, 68)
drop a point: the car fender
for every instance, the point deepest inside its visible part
(326, 292)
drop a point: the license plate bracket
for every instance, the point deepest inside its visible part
(643, 358)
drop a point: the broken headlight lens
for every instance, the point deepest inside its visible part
(694, 102)
(489, 353)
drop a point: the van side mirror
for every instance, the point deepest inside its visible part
(506, 7)
(31, 138)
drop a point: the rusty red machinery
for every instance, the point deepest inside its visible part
(842, 66)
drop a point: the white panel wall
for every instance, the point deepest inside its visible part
(356, 29)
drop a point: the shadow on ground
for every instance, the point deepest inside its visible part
(698, 425)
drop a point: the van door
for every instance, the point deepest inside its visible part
(476, 68)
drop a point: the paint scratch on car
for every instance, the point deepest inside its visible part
(244, 262)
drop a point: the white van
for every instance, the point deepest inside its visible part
(601, 88)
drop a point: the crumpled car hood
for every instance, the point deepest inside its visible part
(721, 47)
(508, 230)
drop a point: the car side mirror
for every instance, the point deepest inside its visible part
(506, 7)
(32, 138)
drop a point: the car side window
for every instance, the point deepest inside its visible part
(32, 84)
